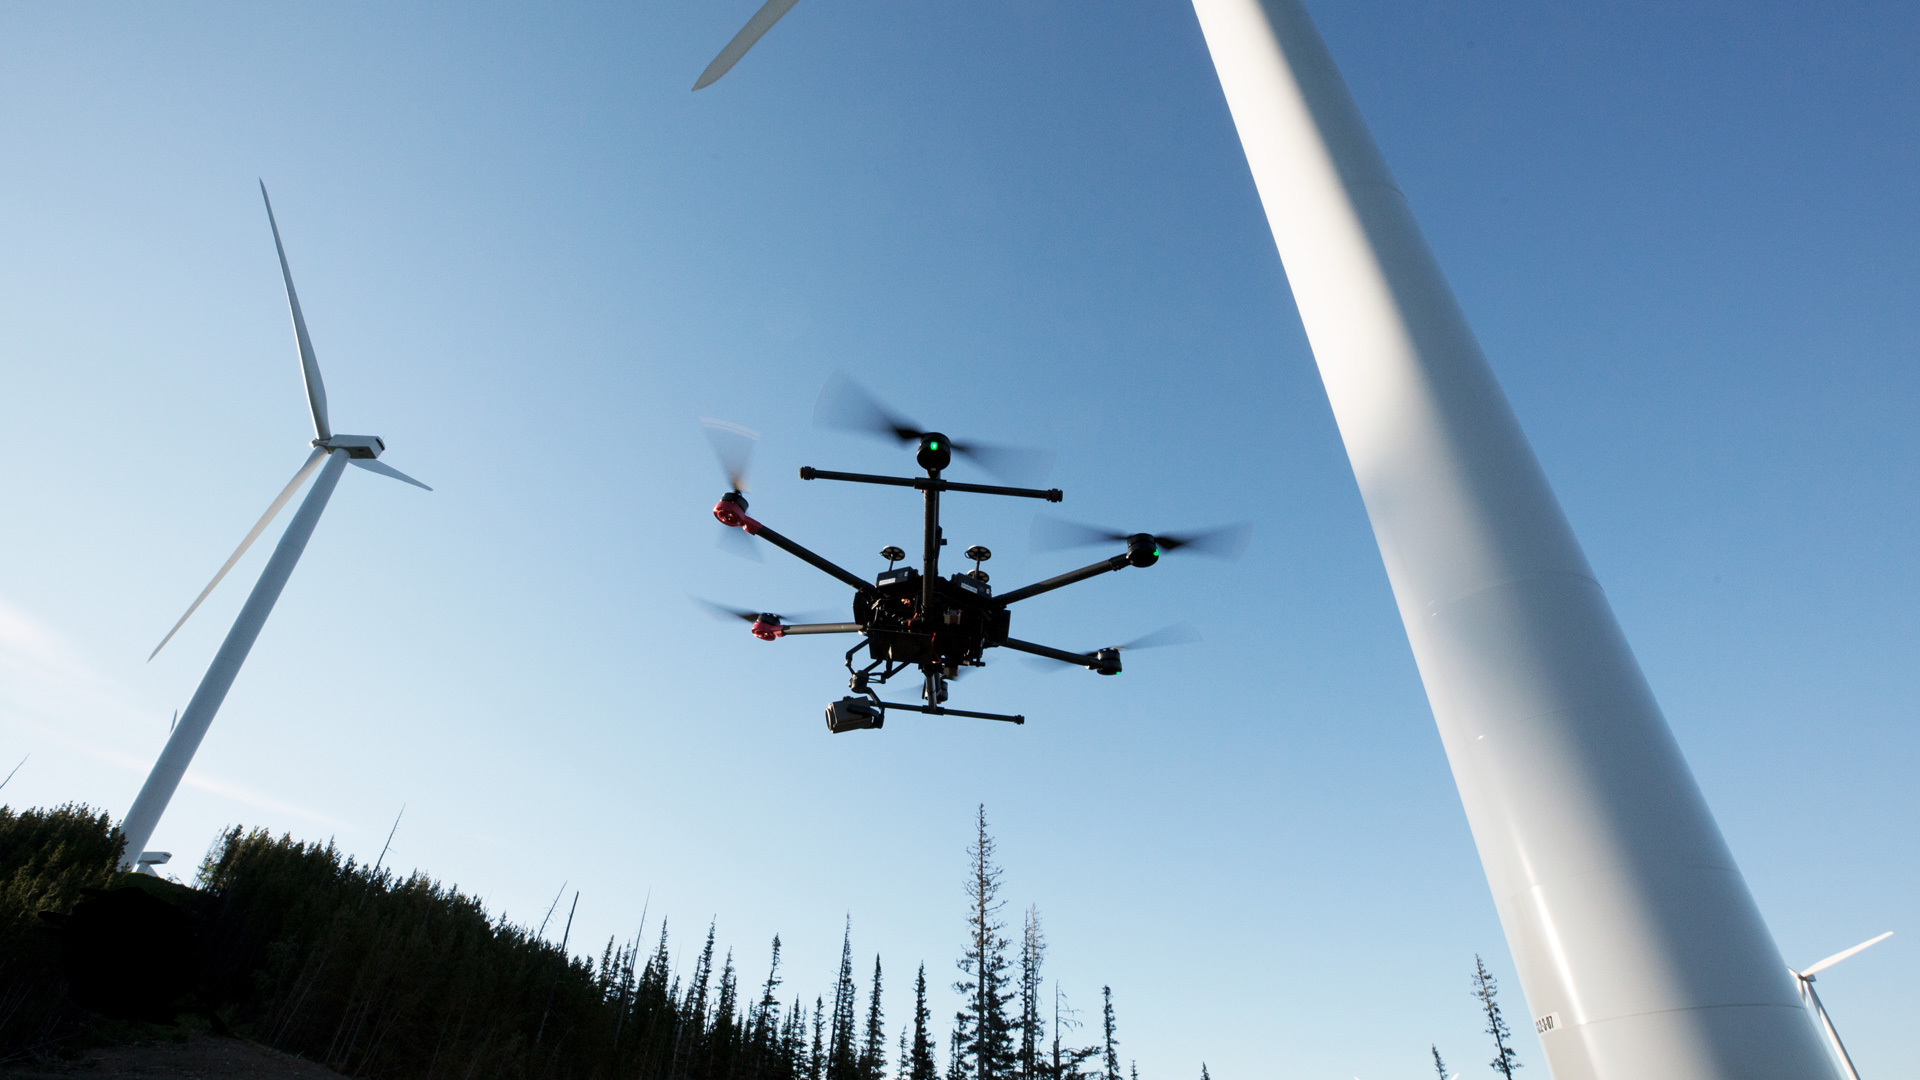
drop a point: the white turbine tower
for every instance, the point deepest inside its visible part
(331, 454)
(1639, 947)
(1805, 978)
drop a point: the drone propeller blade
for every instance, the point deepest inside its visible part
(1224, 542)
(1053, 534)
(1823, 965)
(1176, 634)
(309, 366)
(756, 27)
(844, 404)
(293, 485)
(733, 445)
(1014, 464)
(723, 611)
(374, 465)
(738, 543)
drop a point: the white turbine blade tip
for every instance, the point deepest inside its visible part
(374, 465)
(756, 27)
(1823, 965)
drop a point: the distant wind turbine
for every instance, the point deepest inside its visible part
(331, 454)
(1805, 978)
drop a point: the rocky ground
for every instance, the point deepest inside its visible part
(199, 1057)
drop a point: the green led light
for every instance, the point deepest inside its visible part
(934, 445)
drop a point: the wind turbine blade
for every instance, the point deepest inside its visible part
(309, 367)
(762, 21)
(293, 485)
(1839, 956)
(374, 465)
(16, 768)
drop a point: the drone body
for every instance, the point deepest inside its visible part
(912, 617)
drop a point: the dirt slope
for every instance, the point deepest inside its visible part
(201, 1057)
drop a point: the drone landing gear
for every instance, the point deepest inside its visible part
(860, 713)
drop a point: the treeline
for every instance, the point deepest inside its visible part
(304, 949)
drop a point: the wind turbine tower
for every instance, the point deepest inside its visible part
(331, 455)
(1641, 952)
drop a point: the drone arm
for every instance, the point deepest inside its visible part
(1085, 660)
(806, 556)
(825, 628)
(1068, 578)
(808, 472)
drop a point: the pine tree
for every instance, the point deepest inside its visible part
(1033, 949)
(1111, 1062)
(817, 1058)
(1439, 1066)
(693, 1012)
(982, 1029)
(873, 1053)
(1067, 1060)
(1505, 1058)
(1203, 1072)
(842, 1055)
(921, 1066)
(765, 1014)
(723, 1037)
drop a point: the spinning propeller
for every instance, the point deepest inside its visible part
(845, 405)
(733, 444)
(766, 625)
(1224, 542)
(1176, 634)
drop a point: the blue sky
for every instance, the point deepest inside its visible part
(530, 258)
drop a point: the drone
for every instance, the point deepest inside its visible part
(911, 618)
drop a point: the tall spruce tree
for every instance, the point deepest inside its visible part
(1033, 950)
(920, 1065)
(1110, 1064)
(843, 1062)
(723, 1035)
(982, 1028)
(1204, 1075)
(1439, 1066)
(763, 1018)
(817, 1057)
(873, 1051)
(1505, 1058)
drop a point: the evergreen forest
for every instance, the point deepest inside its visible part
(301, 948)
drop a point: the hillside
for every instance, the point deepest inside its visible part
(198, 1057)
(295, 948)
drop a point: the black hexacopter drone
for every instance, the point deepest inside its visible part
(912, 617)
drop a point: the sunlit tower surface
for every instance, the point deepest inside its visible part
(1640, 950)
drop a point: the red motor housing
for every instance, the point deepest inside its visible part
(731, 511)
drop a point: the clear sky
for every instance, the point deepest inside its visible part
(1687, 235)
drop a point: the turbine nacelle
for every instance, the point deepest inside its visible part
(358, 447)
